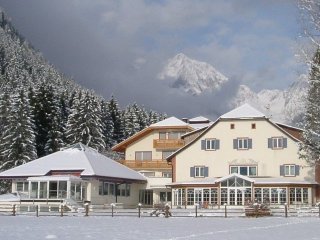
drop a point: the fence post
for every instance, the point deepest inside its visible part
(286, 210)
(37, 210)
(225, 210)
(139, 207)
(196, 206)
(61, 210)
(13, 210)
(87, 209)
(112, 207)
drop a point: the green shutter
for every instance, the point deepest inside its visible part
(192, 173)
(217, 144)
(206, 171)
(250, 143)
(282, 170)
(235, 143)
(203, 144)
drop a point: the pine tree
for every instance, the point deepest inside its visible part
(18, 142)
(310, 148)
(131, 121)
(55, 138)
(116, 116)
(85, 124)
(107, 124)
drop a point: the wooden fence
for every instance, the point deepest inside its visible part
(139, 211)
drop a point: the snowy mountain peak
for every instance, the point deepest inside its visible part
(191, 75)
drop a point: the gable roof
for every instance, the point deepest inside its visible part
(168, 123)
(171, 121)
(251, 113)
(78, 157)
(244, 111)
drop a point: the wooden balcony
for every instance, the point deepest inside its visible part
(145, 164)
(168, 143)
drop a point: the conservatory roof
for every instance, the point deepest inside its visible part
(78, 158)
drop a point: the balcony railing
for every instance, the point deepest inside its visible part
(146, 164)
(168, 143)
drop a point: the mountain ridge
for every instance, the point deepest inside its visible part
(285, 106)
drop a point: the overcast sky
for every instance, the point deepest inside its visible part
(119, 47)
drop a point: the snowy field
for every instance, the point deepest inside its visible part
(33, 228)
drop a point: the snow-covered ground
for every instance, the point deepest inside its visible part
(26, 227)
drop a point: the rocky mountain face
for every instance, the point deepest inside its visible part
(194, 77)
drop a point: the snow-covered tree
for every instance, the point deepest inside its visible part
(116, 116)
(18, 141)
(130, 120)
(85, 124)
(310, 148)
(107, 124)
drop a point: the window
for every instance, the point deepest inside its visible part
(162, 135)
(106, 188)
(244, 170)
(253, 125)
(210, 144)
(143, 155)
(170, 135)
(22, 187)
(146, 197)
(123, 190)
(166, 154)
(166, 174)
(289, 170)
(232, 126)
(277, 142)
(148, 174)
(199, 171)
(242, 143)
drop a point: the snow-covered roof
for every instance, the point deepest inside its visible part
(282, 181)
(171, 121)
(199, 125)
(266, 180)
(199, 119)
(244, 111)
(79, 157)
(234, 175)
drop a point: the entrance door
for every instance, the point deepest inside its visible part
(235, 196)
(198, 196)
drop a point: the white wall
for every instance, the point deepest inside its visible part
(267, 160)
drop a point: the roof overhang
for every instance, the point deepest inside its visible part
(121, 147)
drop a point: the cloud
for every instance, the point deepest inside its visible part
(119, 47)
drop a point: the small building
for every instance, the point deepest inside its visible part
(76, 174)
(242, 157)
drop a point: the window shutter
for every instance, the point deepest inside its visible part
(192, 172)
(297, 170)
(249, 143)
(203, 144)
(217, 144)
(281, 170)
(269, 142)
(206, 171)
(235, 143)
(285, 142)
